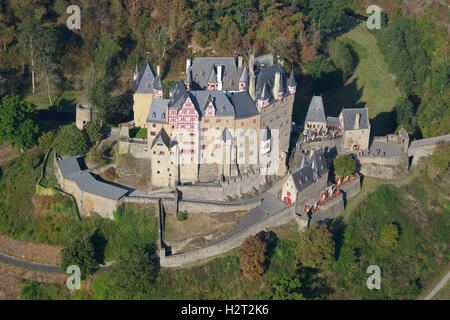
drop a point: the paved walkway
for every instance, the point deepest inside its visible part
(29, 265)
(439, 286)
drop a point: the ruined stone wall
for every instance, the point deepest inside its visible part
(177, 260)
(383, 167)
(137, 150)
(202, 207)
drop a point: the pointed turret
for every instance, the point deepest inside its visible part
(243, 78)
(212, 80)
(158, 88)
(264, 97)
(292, 84)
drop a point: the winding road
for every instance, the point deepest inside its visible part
(29, 265)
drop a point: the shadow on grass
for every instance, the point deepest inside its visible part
(384, 123)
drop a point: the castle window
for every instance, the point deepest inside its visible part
(232, 83)
(163, 115)
(203, 73)
(242, 124)
(225, 74)
(254, 120)
(157, 172)
(148, 85)
(218, 120)
(224, 109)
(153, 115)
(154, 125)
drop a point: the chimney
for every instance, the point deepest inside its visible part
(239, 62)
(357, 118)
(188, 64)
(219, 77)
(276, 85)
(251, 88)
(158, 70)
(251, 62)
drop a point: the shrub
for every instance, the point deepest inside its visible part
(389, 235)
(344, 166)
(81, 253)
(316, 248)
(252, 257)
(182, 216)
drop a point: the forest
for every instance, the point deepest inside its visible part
(44, 62)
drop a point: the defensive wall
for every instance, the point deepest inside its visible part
(177, 260)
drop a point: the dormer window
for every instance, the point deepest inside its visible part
(163, 116)
(148, 85)
(224, 109)
(153, 115)
(232, 83)
(203, 73)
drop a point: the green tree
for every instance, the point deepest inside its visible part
(45, 141)
(324, 74)
(93, 131)
(316, 248)
(342, 58)
(15, 122)
(440, 159)
(344, 166)
(404, 110)
(329, 15)
(389, 235)
(252, 257)
(81, 253)
(70, 141)
(287, 288)
(132, 274)
(107, 50)
(101, 98)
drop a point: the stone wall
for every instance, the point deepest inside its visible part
(178, 260)
(137, 150)
(383, 167)
(203, 207)
(86, 202)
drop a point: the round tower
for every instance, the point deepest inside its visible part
(83, 114)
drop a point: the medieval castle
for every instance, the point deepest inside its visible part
(224, 118)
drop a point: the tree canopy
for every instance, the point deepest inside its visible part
(316, 248)
(16, 123)
(252, 257)
(344, 166)
(70, 141)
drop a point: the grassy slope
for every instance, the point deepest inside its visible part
(370, 84)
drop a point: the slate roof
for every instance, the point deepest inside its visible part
(262, 62)
(316, 112)
(318, 162)
(244, 107)
(333, 122)
(88, 183)
(349, 118)
(202, 68)
(157, 84)
(158, 108)
(162, 137)
(266, 77)
(224, 107)
(146, 77)
(226, 135)
(70, 169)
(303, 177)
(291, 81)
(309, 172)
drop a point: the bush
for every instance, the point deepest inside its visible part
(389, 235)
(344, 166)
(316, 248)
(252, 257)
(182, 216)
(93, 131)
(81, 253)
(324, 75)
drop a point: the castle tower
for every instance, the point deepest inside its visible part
(143, 93)
(292, 85)
(263, 97)
(83, 114)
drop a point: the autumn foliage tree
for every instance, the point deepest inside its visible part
(252, 257)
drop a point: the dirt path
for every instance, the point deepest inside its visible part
(439, 286)
(25, 250)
